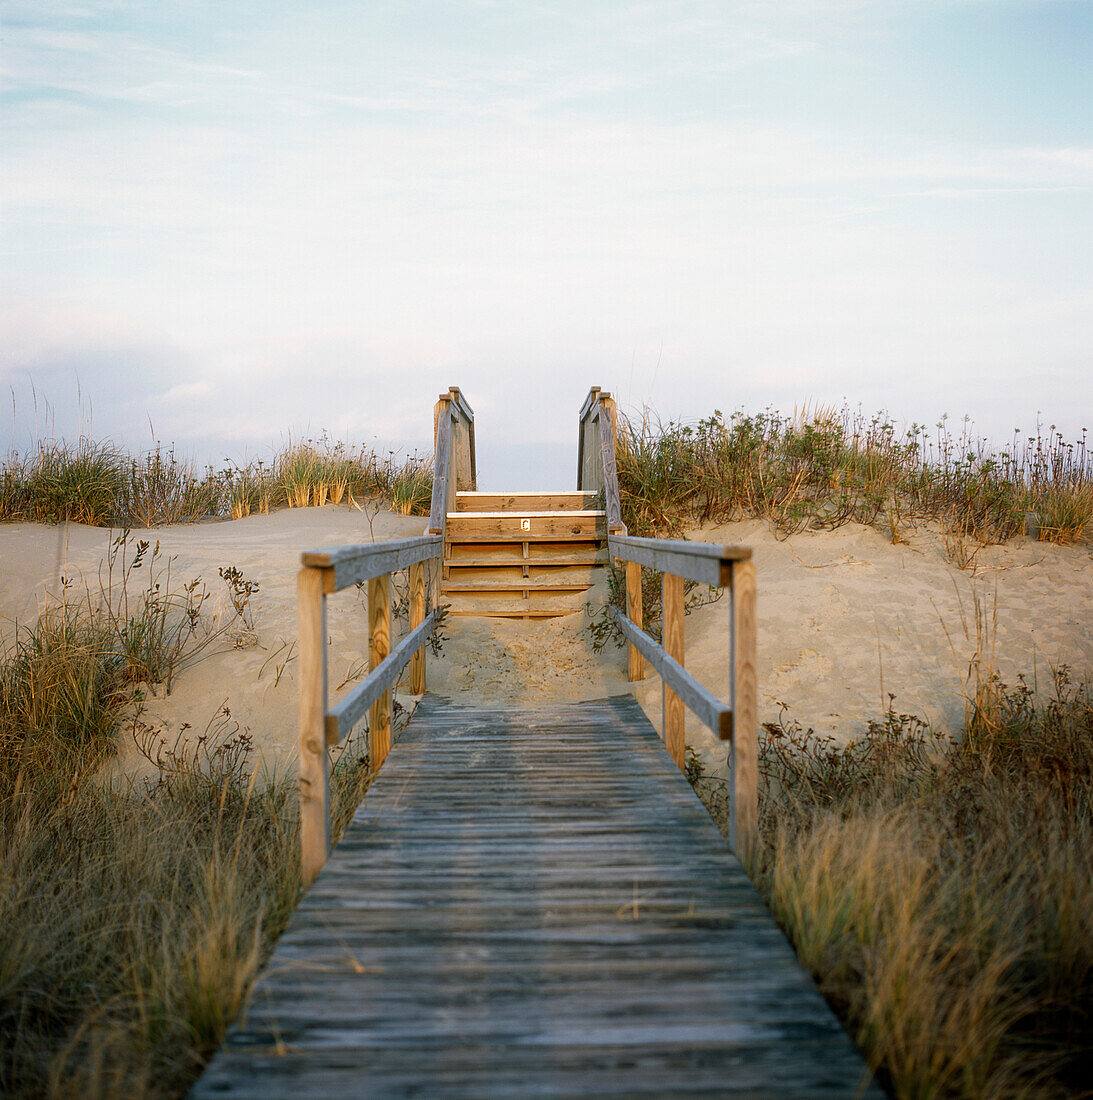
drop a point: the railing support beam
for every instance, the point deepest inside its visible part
(314, 763)
(379, 645)
(636, 669)
(417, 617)
(672, 635)
(745, 704)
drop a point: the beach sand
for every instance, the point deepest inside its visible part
(845, 619)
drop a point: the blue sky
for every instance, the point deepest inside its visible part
(227, 221)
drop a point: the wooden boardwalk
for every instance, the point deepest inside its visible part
(532, 902)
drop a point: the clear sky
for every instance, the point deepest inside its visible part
(228, 220)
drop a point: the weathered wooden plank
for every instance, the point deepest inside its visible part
(613, 505)
(465, 468)
(635, 661)
(591, 535)
(442, 471)
(518, 584)
(347, 712)
(679, 1065)
(510, 613)
(671, 604)
(570, 515)
(590, 556)
(705, 562)
(352, 564)
(714, 714)
(417, 617)
(553, 501)
(531, 902)
(589, 403)
(314, 764)
(379, 648)
(460, 404)
(467, 526)
(745, 753)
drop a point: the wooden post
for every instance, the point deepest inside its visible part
(671, 590)
(453, 459)
(608, 402)
(634, 613)
(417, 616)
(442, 406)
(379, 646)
(592, 452)
(436, 575)
(583, 439)
(314, 769)
(745, 704)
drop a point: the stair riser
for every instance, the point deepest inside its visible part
(523, 502)
(472, 560)
(512, 603)
(532, 578)
(556, 526)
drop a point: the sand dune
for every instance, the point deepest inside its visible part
(845, 618)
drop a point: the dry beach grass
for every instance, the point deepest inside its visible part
(941, 891)
(99, 484)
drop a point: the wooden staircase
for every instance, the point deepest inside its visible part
(520, 555)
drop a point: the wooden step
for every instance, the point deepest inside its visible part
(532, 584)
(491, 526)
(548, 501)
(544, 552)
(526, 613)
(514, 605)
(516, 574)
(544, 561)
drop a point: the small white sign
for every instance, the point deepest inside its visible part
(525, 525)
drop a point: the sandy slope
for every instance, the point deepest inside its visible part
(845, 618)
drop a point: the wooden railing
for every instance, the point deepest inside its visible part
(719, 566)
(596, 455)
(454, 464)
(680, 561)
(321, 725)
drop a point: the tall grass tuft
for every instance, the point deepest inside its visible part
(409, 488)
(82, 482)
(941, 891)
(163, 489)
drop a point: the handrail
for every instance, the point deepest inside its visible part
(353, 564)
(586, 408)
(718, 566)
(347, 712)
(463, 408)
(704, 562)
(715, 715)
